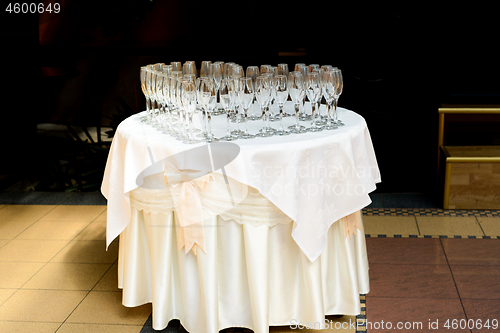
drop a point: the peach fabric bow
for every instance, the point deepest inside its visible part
(189, 207)
(350, 223)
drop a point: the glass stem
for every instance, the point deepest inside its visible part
(313, 114)
(245, 115)
(281, 117)
(264, 129)
(329, 106)
(209, 123)
(335, 109)
(297, 111)
(228, 132)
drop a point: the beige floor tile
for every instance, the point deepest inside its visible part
(5, 294)
(74, 213)
(109, 281)
(448, 226)
(3, 242)
(10, 229)
(94, 231)
(102, 217)
(88, 252)
(490, 225)
(15, 274)
(105, 307)
(31, 250)
(390, 225)
(41, 305)
(19, 327)
(67, 276)
(94, 328)
(344, 324)
(53, 230)
(28, 213)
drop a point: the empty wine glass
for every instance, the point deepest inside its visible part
(281, 87)
(216, 75)
(329, 87)
(209, 96)
(151, 85)
(166, 75)
(225, 101)
(303, 69)
(144, 78)
(263, 96)
(188, 98)
(246, 95)
(340, 87)
(296, 90)
(233, 87)
(253, 72)
(313, 91)
(202, 106)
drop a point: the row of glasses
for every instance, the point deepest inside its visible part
(163, 89)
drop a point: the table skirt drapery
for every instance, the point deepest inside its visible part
(251, 276)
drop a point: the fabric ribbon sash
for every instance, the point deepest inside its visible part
(189, 207)
(350, 223)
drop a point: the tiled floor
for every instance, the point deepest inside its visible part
(426, 265)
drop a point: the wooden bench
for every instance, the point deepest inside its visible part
(471, 174)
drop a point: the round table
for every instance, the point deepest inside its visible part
(277, 253)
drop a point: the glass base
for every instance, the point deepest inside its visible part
(293, 126)
(282, 132)
(227, 138)
(299, 130)
(330, 127)
(265, 134)
(247, 136)
(212, 139)
(314, 129)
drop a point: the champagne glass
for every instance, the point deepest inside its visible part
(246, 94)
(225, 101)
(188, 99)
(303, 69)
(175, 82)
(202, 106)
(281, 87)
(166, 75)
(313, 91)
(252, 72)
(151, 85)
(329, 86)
(144, 78)
(233, 87)
(216, 75)
(160, 100)
(205, 69)
(263, 96)
(296, 89)
(209, 96)
(337, 95)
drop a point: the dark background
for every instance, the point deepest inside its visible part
(399, 63)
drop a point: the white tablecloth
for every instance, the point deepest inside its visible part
(313, 178)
